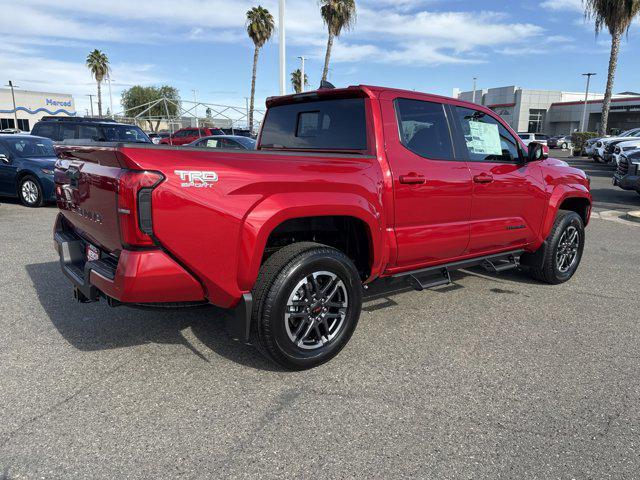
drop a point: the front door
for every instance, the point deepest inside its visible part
(432, 185)
(509, 197)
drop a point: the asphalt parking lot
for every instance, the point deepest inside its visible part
(495, 376)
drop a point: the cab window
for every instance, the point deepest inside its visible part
(486, 139)
(423, 128)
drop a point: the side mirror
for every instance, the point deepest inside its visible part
(537, 151)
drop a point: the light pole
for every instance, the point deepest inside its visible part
(90, 95)
(281, 46)
(195, 110)
(110, 96)
(474, 89)
(302, 59)
(583, 125)
(13, 97)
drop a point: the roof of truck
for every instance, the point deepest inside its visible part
(371, 91)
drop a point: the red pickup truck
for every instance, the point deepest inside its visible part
(346, 186)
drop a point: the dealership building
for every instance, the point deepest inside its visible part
(554, 112)
(31, 107)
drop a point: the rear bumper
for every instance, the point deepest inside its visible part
(139, 277)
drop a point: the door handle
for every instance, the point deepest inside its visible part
(483, 178)
(412, 179)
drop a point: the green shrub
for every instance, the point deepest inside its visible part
(578, 140)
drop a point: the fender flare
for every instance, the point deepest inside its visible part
(265, 216)
(559, 194)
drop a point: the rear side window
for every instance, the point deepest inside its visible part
(539, 136)
(424, 129)
(48, 130)
(338, 124)
(486, 139)
(67, 131)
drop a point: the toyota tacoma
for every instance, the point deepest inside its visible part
(346, 186)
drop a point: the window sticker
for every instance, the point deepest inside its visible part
(484, 139)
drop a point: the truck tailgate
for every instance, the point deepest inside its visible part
(87, 192)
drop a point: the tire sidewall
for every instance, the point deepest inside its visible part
(573, 219)
(279, 295)
(38, 202)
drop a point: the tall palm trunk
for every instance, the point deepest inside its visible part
(327, 57)
(253, 87)
(613, 63)
(99, 100)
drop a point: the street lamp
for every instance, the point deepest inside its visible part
(583, 125)
(91, 101)
(13, 97)
(281, 47)
(474, 89)
(302, 59)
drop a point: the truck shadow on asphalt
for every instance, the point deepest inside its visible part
(96, 326)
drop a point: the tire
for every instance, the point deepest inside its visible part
(30, 192)
(548, 264)
(565, 146)
(291, 327)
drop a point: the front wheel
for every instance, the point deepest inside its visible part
(307, 302)
(565, 146)
(30, 192)
(558, 258)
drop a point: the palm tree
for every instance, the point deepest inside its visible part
(98, 64)
(337, 15)
(260, 26)
(296, 80)
(616, 16)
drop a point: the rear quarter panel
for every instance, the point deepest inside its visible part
(219, 231)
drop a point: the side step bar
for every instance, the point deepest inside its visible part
(440, 275)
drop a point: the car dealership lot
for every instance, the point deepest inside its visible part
(495, 375)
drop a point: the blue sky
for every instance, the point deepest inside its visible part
(427, 45)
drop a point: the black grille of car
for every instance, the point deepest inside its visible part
(623, 166)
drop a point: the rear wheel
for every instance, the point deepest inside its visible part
(565, 146)
(30, 192)
(558, 258)
(307, 303)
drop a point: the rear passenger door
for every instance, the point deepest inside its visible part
(509, 197)
(431, 182)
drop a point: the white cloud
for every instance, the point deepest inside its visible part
(571, 5)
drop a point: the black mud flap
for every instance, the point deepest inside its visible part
(238, 323)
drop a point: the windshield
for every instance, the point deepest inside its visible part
(30, 147)
(124, 133)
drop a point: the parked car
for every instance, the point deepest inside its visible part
(290, 235)
(188, 135)
(627, 175)
(11, 131)
(95, 129)
(599, 153)
(590, 146)
(527, 138)
(243, 132)
(157, 136)
(231, 142)
(26, 168)
(562, 141)
(625, 148)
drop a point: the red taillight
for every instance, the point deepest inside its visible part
(134, 206)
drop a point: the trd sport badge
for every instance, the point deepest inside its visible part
(197, 179)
